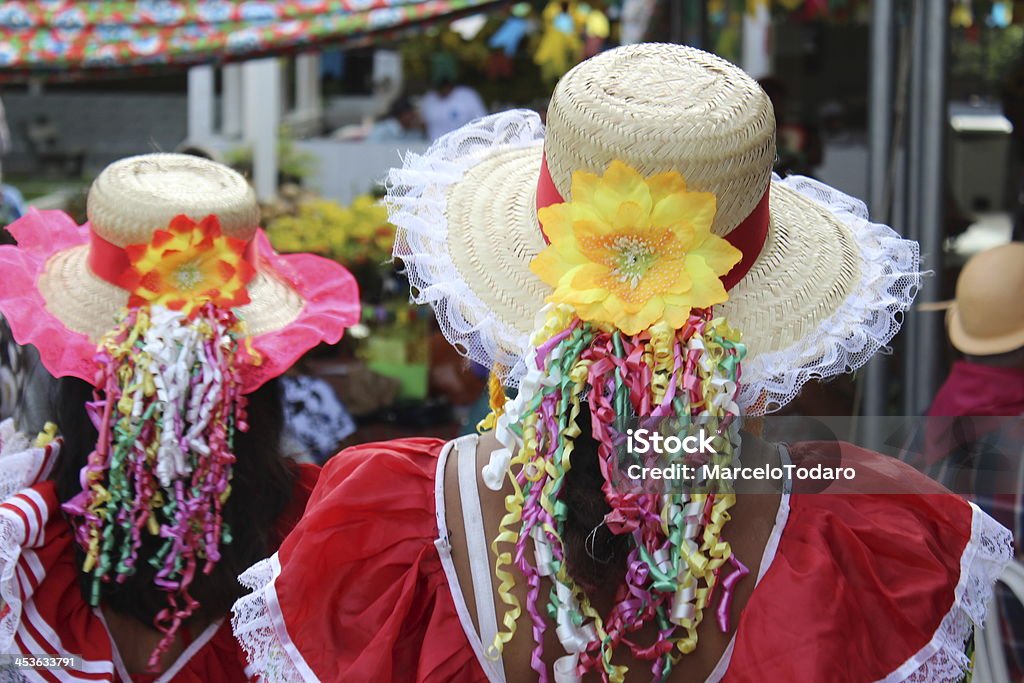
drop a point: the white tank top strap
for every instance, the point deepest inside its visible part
(479, 559)
(787, 483)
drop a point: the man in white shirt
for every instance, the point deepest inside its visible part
(450, 106)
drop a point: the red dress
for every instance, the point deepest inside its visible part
(853, 587)
(44, 612)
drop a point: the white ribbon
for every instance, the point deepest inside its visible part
(494, 471)
(566, 669)
(572, 637)
(542, 551)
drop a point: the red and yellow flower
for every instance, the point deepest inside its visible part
(630, 251)
(188, 265)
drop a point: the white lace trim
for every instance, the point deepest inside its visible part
(12, 538)
(943, 660)
(259, 628)
(21, 464)
(417, 201)
(863, 324)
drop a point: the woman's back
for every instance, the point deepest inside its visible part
(377, 581)
(756, 520)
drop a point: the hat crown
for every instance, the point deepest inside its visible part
(659, 108)
(988, 292)
(134, 197)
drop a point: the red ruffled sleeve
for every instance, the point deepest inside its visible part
(357, 592)
(870, 587)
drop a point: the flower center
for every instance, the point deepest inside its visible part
(188, 275)
(633, 258)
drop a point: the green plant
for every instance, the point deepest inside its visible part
(292, 163)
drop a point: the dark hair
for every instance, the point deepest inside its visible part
(403, 105)
(261, 488)
(596, 557)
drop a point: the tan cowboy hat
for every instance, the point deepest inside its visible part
(987, 316)
(821, 290)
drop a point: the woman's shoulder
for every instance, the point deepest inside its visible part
(43, 609)
(378, 452)
(370, 466)
(375, 481)
(25, 461)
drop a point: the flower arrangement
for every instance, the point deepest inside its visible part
(354, 235)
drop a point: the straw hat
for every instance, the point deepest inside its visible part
(58, 292)
(987, 316)
(821, 290)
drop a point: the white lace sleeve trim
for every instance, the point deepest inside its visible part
(944, 660)
(23, 519)
(12, 537)
(22, 464)
(259, 627)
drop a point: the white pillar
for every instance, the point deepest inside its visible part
(231, 101)
(307, 84)
(200, 103)
(757, 54)
(261, 117)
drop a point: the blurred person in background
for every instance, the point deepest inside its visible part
(402, 123)
(448, 105)
(24, 386)
(5, 133)
(974, 436)
(985, 323)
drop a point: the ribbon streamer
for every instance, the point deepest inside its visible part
(677, 548)
(167, 406)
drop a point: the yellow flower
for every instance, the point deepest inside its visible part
(630, 251)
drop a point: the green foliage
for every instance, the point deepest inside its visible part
(352, 235)
(291, 162)
(985, 57)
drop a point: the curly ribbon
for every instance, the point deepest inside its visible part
(678, 552)
(46, 436)
(167, 405)
(496, 400)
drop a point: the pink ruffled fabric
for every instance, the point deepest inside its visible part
(332, 304)
(40, 235)
(330, 293)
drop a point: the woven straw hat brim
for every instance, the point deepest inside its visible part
(827, 291)
(808, 266)
(54, 300)
(87, 304)
(971, 344)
